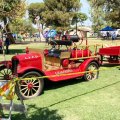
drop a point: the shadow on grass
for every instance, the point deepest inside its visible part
(14, 51)
(54, 85)
(111, 65)
(38, 114)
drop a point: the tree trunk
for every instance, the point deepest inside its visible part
(8, 31)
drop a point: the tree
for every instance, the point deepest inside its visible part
(10, 9)
(112, 12)
(105, 12)
(36, 9)
(79, 17)
(54, 12)
(28, 27)
(60, 12)
(20, 25)
(97, 15)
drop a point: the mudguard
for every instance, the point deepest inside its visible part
(84, 64)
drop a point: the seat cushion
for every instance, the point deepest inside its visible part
(61, 42)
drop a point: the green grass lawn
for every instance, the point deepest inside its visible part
(76, 99)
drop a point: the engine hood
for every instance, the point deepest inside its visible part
(29, 56)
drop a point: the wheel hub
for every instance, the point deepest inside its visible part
(30, 86)
(6, 77)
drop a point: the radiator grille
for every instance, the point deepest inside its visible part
(14, 66)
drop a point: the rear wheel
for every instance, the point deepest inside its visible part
(27, 89)
(91, 71)
(5, 73)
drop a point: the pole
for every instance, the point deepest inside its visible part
(38, 25)
(76, 26)
(39, 30)
(3, 47)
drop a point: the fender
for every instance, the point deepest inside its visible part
(7, 64)
(26, 69)
(84, 64)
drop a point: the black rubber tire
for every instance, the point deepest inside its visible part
(5, 73)
(89, 76)
(22, 89)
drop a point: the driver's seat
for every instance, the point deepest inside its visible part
(61, 42)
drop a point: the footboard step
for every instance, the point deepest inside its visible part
(15, 107)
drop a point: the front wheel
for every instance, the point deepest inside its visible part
(27, 89)
(92, 71)
(5, 73)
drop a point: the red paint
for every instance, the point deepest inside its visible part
(112, 54)
(46, 51)
(115, 50)
(80, 53)
(65, 63)
(30, 86)
(27, 50)
(68, 70)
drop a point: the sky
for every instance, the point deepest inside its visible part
(85, 9)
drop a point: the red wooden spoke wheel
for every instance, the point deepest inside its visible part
(30, 88)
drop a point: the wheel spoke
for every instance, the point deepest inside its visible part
(93, 76)
(1, 73)
(34, 89)
(36, 86)
(36, 83)
(88, 76)
(23, 89)
(24, 85)
(4, 72)
(9, 72)
(1, 76)
(94, 68)
(27, 81)
(33, 81)
(31, 91)
(28, 92)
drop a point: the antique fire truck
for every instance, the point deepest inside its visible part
(55, 64)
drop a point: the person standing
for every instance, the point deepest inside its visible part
(113, 36)
(7, 43)
(46, 37)
(108, 35)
